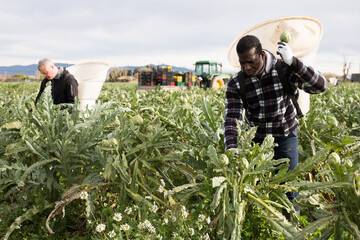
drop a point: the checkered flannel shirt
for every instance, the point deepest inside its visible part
(268, 106)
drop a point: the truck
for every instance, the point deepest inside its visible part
(164, 77)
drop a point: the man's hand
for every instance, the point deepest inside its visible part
(285, 53)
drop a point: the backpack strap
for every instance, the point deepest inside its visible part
(241, 79)
(285, 83)
(288, 89)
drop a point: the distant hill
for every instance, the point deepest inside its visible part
(30, 70)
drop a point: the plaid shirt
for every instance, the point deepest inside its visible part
(268, 106)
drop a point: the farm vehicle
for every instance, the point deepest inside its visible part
(207, 75)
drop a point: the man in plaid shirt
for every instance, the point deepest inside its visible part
(267, 104)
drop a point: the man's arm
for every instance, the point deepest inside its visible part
(233, 112)
(42, 87)
(71, 89)
(300, 75)
(306, 77)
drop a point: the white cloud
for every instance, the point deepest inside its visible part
(175, 32)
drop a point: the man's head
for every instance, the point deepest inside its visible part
(251, 55)
(47, 68)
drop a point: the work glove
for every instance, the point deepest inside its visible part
(285, 53)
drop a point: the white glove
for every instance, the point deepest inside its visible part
(285, 53)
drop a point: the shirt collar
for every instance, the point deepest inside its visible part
(262, 71)
(59, 73)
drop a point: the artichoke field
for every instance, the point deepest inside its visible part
(152, 165)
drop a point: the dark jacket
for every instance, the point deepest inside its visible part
(63, 89)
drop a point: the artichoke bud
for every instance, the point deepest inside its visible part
(244, 164)
(285, 37)
(348, 163)
(334, 159)
(105, 143)
(149, 128)
(138, 120)
(116, 122)
(224, 159)
(333, 121)
(114, 142)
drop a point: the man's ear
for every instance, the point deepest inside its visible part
(262, 54)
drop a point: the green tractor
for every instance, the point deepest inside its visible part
(208, 74)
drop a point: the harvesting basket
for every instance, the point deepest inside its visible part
(306, 33)
(90, 76)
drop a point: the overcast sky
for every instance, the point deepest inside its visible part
(174, 32)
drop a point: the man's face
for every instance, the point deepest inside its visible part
(49, 72)
(251, 62)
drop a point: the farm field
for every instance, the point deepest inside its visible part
(152, 165)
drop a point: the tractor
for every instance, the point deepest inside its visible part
(208, 74)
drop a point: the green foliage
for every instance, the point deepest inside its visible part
(106, 160)
(23, 76)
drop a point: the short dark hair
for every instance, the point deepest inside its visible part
(248, 42)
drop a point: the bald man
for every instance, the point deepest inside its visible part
(64, 87)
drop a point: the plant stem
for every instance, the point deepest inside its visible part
(355, 229)
(263, 204)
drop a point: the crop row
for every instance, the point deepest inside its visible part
(161, 154)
